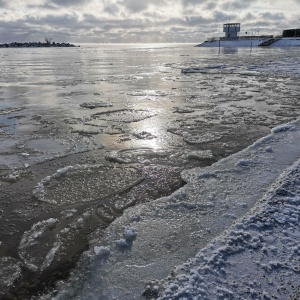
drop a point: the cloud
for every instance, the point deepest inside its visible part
(2, 3)
(135, 5)
(139, 20)
(68, 3)
(196, 21)
(194, 3)
(186, 3)
(237, 4)
(272, 16)
(111, 9)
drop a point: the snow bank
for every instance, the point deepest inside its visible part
(258, 258)
(172, 230)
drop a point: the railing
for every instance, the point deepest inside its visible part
(248, 37)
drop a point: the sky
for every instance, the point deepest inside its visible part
(140, 21)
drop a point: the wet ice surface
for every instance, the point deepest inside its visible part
(92, 131)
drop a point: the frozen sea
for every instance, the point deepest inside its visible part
(149, 171)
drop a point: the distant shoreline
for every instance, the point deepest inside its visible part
(35, 45)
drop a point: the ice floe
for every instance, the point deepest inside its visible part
(200, 154)
(82, 183)
(95, 104)
(125, 115)
(207, 137)
(32, 149)
(31, 238)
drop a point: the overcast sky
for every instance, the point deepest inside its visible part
(109, 21)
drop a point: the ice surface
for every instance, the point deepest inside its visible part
(172, 230)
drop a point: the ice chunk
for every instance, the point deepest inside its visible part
(200, 154)
(95, 104)
(101, 250)
(122, 243)
(125, 115)
(68, 213)
(204, 69)
(129, 233)
(50, 256)
(244, 163)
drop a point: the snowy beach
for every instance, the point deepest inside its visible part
(146, 171)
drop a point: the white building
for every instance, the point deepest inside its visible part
(231, 30)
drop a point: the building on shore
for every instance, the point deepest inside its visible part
(231, 30)
(232, 38)
(291, 32)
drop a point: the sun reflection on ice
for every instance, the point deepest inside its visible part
(148, 133)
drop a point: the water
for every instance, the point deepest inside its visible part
(89, 132)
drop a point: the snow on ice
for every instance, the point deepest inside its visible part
(257, 258)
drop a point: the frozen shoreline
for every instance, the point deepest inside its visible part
(258, 258)
(173, 229)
